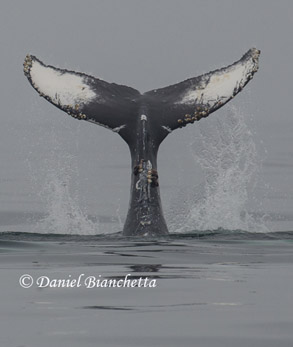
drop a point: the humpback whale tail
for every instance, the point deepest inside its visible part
(142, 120)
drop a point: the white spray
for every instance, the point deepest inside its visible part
(56, 172)
(228, 157)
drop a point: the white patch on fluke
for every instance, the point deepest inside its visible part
(220, 85)
(63, 88)
(116, 130)
(167, 128)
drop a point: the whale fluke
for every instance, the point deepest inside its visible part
(142, 120)
(195, 98)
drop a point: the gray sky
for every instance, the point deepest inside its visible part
(143, 44)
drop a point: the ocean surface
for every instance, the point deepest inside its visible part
(223, 277)
(212, 289)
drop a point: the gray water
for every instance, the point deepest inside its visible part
(211, 290)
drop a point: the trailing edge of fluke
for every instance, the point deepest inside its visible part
(142, 120)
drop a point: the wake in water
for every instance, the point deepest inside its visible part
(227, 154)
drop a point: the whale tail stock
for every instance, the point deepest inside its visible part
(142, 120)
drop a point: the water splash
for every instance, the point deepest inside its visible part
(63, 214)
(227, 154)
